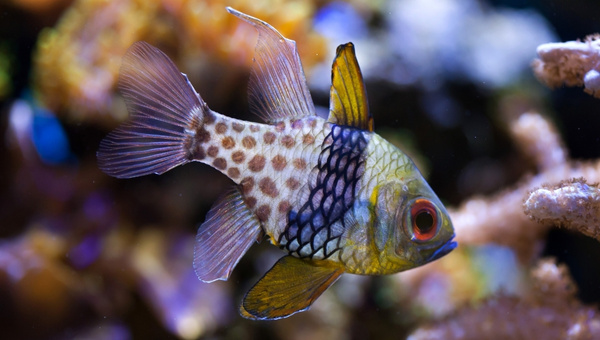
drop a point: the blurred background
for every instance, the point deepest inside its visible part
(87, 256)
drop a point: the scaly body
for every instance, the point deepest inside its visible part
(305, 167)
(330, 192)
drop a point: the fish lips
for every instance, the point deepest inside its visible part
(444, 249)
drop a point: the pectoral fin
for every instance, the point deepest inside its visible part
(348, 96)
(228, 232)
(291, 286)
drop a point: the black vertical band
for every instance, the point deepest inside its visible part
(332, 187)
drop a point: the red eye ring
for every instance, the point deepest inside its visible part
(424, 220)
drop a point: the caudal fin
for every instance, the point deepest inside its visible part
(165, 113)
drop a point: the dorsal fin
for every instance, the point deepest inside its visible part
(277, 86)
(348, 96)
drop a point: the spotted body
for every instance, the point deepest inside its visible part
(330, 192)
(268, 162)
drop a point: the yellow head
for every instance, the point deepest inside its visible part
(409, 225)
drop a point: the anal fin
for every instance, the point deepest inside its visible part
(226, 235)
(291, 286)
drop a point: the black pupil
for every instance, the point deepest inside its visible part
(424, 221)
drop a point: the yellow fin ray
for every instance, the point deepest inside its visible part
(291, 286)
(348, 96)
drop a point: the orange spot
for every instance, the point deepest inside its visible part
(257, 163)
(268, 187)
(238, 157)
(279, 162)
(249, 142)
(212, 151)
(228, 142)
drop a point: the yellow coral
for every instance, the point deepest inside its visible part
(77, 62)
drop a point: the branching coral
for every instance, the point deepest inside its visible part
(546, 306)
(573, 63)
(500, 219)
(487, 288)
(538, 139)
(572, 204)
(480, 291)
(551, 311)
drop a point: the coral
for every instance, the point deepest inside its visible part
(544, 304)
(572, 204)
(500, 218)
(538, 138)
(551, 311)
(48, 291)
(572, 63)
(470, 274)
(188, 307)
(461, 38)
(215, 32)
(482, 291)
(77, 62)
(84, 255)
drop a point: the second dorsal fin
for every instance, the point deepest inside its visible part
(348, 96)
(277, 85)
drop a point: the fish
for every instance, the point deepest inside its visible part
(331, 193)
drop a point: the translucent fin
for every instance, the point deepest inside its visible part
(348, 103)
(228, 232)
(277, 87)
(165, 111)
(291, 286)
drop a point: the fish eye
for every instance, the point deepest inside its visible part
(423, 220)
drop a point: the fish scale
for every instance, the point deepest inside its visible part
(315, 229)
(233, 146)
(332, 193)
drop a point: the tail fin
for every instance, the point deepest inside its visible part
(165, 113)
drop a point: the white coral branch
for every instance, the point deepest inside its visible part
(538, 139)
(573, 63)
(499, 218)
(573, 204)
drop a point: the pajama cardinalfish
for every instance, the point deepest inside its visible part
(331, 193)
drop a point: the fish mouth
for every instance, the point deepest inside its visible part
(444, 249)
